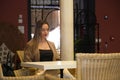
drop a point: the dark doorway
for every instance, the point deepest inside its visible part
(84, 26)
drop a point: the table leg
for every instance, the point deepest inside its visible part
(61, 73)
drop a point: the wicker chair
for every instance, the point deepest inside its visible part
(34, 77)
(98, 66)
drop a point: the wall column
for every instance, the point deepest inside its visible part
(66, 26)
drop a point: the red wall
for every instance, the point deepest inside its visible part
(110, 28)
(9, 11)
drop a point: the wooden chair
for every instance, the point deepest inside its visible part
(34, 77)
(22, 72)
(98, 66)
(20, 54)
(67, 76)
(50, 77)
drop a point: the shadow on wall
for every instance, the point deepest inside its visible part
(12, 37)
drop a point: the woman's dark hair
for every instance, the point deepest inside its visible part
(38, 28)
(37, 36)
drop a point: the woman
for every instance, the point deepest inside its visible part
(39, 48)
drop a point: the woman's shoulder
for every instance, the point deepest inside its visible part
(29, 43)
(52, 45)
(50, 42)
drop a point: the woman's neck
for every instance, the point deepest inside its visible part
(43, 44)
(42, 40)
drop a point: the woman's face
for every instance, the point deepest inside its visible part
(44, 31)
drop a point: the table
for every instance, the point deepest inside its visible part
(50, 65)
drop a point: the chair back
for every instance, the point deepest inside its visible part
(22, 77)
(91, 66)
(1, 72)
(20, 54)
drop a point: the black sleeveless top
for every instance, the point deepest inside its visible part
(46, 55)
